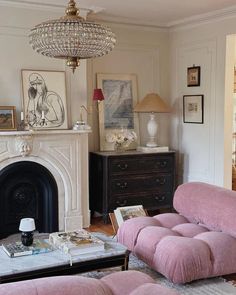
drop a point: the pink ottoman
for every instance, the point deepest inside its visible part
(119, 283)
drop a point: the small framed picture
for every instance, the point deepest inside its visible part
(193, 109)
(7, 118)
(193, 76)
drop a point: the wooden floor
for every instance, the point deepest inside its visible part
(97, 225)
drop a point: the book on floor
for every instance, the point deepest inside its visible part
(76, 242)
(123, 213)
(16, 249)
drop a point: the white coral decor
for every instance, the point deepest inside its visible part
(121, 138)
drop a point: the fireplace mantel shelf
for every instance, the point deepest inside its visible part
(43, 132)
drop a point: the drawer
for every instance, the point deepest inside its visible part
(126, 165)
(140, 183)
(152, 200)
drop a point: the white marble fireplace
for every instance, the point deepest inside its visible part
(65, 154)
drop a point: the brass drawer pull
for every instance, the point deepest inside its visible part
(121, 203)
(122, 185)
(160, 198)
(162, 164)
(122, 166)
(161, 180)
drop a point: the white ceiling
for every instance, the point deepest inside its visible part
(162, 13)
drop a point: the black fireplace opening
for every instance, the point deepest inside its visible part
(27, 189)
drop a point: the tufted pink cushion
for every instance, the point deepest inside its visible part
(129, 237)
(182, 259)
(119, 283)
(152, 234)
(71, 285)
(152, 289)
(207, 204)
(197, 243)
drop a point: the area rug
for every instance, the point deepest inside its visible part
(213, 286)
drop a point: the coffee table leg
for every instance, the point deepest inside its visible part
(126, 263)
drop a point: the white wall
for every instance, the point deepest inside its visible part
(16, 54)
(154, 56)
(204, 148)
(144, 52)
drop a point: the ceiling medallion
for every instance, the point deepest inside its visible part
(71, 37)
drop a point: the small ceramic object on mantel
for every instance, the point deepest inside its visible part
(81, 125)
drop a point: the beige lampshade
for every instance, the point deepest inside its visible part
(152, 103)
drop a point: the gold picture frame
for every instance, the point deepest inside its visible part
(116, 110)
(44, 99)
(7, 118)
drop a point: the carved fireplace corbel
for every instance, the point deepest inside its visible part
(24, 145)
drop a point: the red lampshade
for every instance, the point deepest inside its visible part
(97, 94)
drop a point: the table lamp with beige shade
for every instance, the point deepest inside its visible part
(152, 103)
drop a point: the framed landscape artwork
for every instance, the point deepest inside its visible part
(44, 99)
(193, 109)
(7, 118)
(116, 111)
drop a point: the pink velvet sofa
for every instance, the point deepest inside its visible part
(119, 283)
(197, 242)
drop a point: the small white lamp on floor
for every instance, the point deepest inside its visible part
(152, 103)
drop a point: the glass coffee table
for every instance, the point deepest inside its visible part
(57, 263)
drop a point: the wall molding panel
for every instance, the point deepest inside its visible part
(196, 142)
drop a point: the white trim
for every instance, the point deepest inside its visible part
(49, 7)
(43, 132)
(114, 24)
(205, 17)
(196, 20)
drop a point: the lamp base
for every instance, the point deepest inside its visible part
(27, 238)
(152, 128)
(151, 143)
(157, 149)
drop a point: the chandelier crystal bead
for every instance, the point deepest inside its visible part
(72, 38)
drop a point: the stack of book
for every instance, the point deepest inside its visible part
(76, 242)
(16, 249)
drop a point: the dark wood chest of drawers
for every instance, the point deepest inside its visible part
(130, 178)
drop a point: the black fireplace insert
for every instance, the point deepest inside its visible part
(27, 189)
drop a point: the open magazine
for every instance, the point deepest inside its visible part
(125, 213)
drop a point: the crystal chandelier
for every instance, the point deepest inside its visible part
(72, 38)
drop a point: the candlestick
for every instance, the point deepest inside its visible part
(43, 116)
(21, 116)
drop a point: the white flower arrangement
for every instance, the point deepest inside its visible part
(121, 138)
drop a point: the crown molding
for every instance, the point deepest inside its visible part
(193, 21)
(84, 11)
(220, 14)
(31, 5)
(126, 21)
(92, 11)
(201, 19)
(135, 26)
